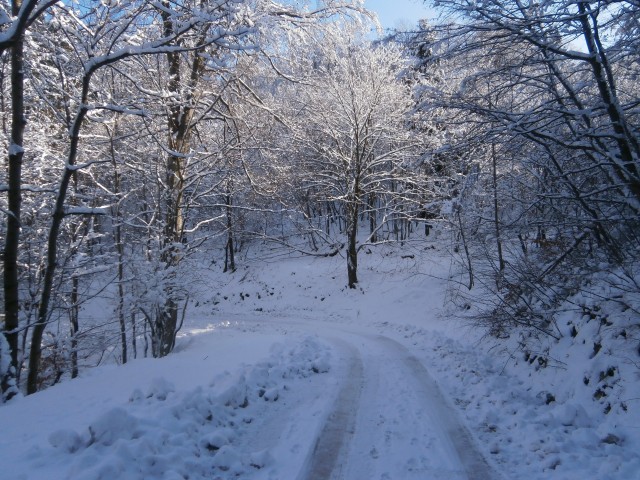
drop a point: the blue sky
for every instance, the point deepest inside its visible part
(399, 13)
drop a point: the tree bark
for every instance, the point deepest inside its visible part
(496, 213)
(35, 353)
(373, 221)
(179, 134)
(12, 239)
(352, 250)
(229, 258)
(119, 246)
(75, 326)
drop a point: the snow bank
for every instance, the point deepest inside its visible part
(532, 423)
(202, 433)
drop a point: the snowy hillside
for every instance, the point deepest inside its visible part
(281, 372)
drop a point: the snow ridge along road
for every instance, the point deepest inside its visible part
(390, 421)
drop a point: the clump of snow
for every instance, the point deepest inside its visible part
(66, 440)
(116, 424)
(217, 439)
(317, 360)
(160, 388)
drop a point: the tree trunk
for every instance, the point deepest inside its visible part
(163, 336)
(74, 311)
(75, 326)
(119, 246)
(229, 258)
(52, 241)
(121, 317)
(496, 215)
(179, 125)
(373, 221)
(466, 250)
(12, 240)
(165, 329)
(352, 250)
(134, 333)
(47, 286)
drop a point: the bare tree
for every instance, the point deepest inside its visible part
(14, 25)
(553, 115)
(353, 136)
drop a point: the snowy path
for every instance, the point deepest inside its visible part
(390, 420)
(331, 445)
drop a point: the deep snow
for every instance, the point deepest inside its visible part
(280, 365)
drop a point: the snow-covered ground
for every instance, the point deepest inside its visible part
(281, 372)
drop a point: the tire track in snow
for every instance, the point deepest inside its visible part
(329, 451)
(390, 420)
(474, 463)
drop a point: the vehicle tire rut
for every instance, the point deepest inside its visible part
(330, 447)
(475, 465)
(390, 405)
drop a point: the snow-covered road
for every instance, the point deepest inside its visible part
(405, 428)
(390, 420)
(387, 419)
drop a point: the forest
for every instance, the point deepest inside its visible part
(138, 134)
